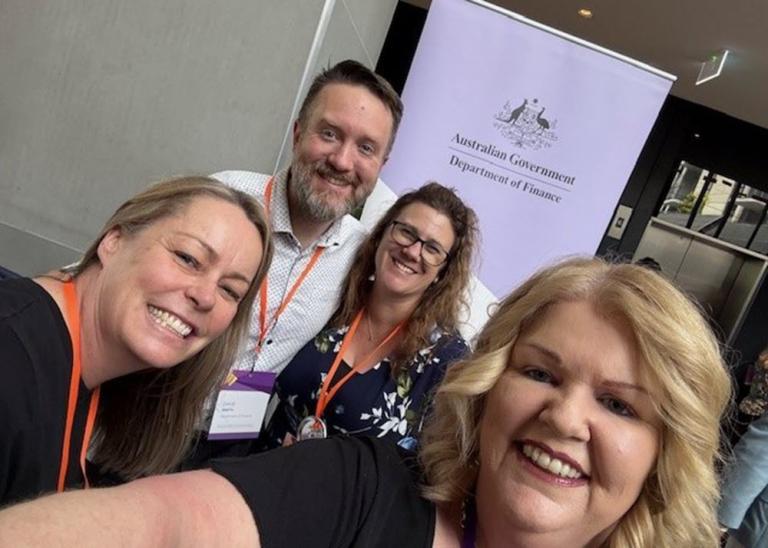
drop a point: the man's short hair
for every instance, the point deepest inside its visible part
(356, 74)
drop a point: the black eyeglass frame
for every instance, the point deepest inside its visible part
(414, 238)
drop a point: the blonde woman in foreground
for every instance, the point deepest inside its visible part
(587, 416)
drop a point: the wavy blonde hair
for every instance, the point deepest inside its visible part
(145, 419)
(681, 357)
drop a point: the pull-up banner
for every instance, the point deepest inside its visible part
(537, 130)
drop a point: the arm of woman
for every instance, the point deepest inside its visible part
(747, 476)
(190, 509)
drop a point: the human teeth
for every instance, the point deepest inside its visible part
(168, 320)
(400, 266)
(549, 463)
(335, 181)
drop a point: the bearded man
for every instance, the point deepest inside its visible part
(341, 140)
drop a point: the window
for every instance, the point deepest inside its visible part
(714, 205)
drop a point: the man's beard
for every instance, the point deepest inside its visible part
(311, 202)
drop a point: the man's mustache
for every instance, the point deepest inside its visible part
(327, 172)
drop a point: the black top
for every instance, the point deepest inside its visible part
(335, 493)
(35, 369)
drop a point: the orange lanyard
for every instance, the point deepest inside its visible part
(264, 325)
(326, 391)
(73, 315)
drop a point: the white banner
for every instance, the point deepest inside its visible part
(538, 132)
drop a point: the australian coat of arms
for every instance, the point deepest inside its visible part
(525, 125)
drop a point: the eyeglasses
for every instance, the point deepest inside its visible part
(405, 235)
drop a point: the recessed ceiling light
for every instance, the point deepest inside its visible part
(586, 13)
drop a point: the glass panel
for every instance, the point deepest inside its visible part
(748, 210)
(718, 192)
(683, 192)
(760, 243)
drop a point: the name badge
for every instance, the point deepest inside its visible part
(241, 405)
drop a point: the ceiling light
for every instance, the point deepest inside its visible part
(712, 67)
(586, 13)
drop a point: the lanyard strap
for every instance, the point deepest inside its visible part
(326, 391)
(264, 325)
(73, 315)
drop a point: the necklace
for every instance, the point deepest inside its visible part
(314, 426)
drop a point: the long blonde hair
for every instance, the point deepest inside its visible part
(145, 419)
(677, 504)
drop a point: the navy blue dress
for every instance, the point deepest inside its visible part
(372, 403)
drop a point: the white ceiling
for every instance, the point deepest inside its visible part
(675, 36)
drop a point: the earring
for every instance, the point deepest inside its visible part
(372, 277)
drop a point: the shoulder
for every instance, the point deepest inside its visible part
(449, 344)
(18, 296)
(248, 181)
(443, 348)
(753, 445)
(329, 339)
(31, 326)
(746, 477)
(17, 362)
(343, 240)
(351, 230)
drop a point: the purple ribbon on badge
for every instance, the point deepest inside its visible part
(253, 380)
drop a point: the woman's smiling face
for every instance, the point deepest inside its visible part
(569, 433)
(400, 270)
(169, 289)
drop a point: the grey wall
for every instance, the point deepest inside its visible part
(100, 98)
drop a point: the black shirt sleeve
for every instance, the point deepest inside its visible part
(338, 492)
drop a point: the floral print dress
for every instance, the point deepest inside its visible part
(372, 403)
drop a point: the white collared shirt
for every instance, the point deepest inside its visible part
(317, 297)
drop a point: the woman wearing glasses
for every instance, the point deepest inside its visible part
(373, 369)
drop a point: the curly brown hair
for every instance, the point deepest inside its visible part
(443, 301)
